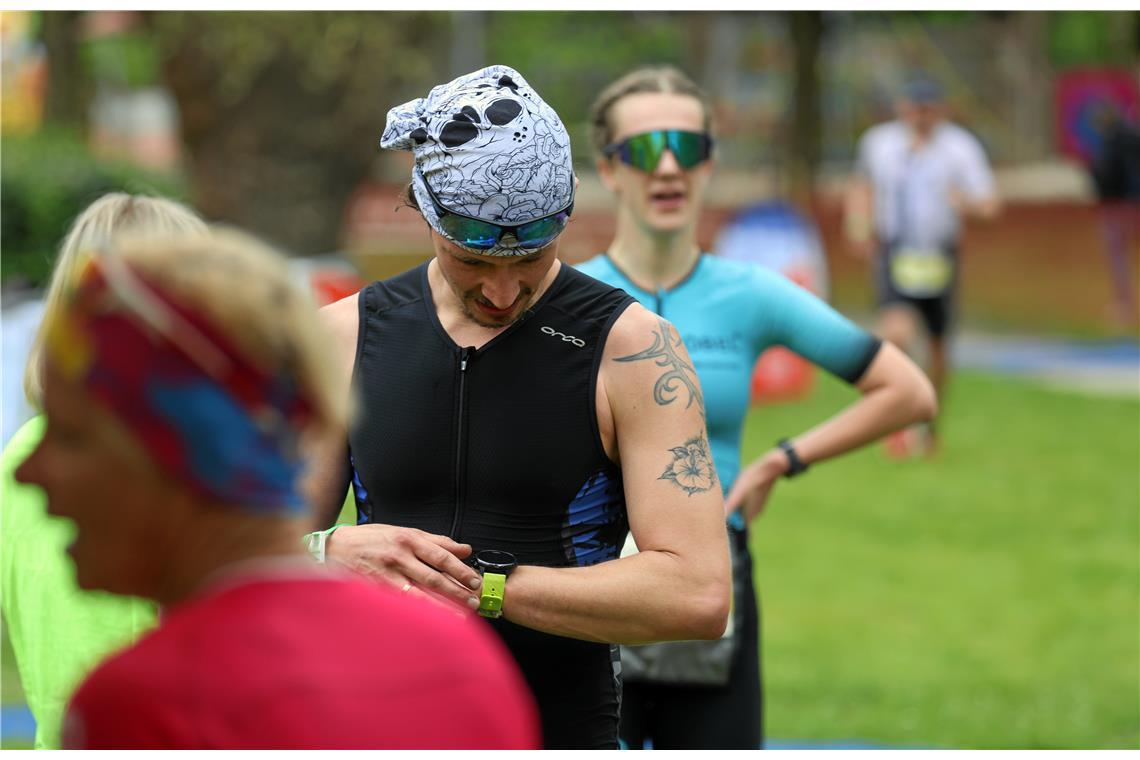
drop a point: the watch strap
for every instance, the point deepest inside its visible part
(795, 464)
(315, 542)
(491, 595)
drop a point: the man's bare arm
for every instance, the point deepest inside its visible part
(326, 480)
(858, 216)
(983, 208)
(678, 585)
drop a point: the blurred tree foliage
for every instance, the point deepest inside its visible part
(46, 179)
(570, 56)
(69, 83)
(1083, 38)
(124, 60)
(282, 112)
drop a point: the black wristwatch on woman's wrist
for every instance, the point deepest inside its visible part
(795, 464)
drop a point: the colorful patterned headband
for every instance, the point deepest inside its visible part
(206, 415)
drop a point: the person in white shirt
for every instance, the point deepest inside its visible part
(915, 179)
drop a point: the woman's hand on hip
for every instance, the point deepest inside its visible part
(754, 484)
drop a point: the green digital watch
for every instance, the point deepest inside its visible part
(494, 566)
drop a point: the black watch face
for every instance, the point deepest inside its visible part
(494, 561)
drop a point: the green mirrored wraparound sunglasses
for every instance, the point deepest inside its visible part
(644, 151)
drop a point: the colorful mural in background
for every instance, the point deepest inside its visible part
(1081, 99)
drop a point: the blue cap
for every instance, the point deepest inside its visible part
(923, 90)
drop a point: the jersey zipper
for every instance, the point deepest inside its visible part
(460, 447)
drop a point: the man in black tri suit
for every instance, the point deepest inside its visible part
(516, 417)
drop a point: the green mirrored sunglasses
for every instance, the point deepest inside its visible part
(644, 151)
(481, 235)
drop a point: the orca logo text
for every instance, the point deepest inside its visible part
(565, 338)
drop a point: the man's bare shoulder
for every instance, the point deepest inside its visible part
(341, 317)
(645, 353)
(629, 333)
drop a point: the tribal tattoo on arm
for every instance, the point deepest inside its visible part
(677, 370)
(692, 468)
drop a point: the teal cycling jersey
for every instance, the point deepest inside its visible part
(728, 313)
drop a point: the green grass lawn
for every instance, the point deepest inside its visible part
(988, 598)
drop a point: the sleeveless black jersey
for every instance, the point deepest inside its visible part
(499, 448)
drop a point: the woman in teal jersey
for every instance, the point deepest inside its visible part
(58, 631)
(651, 129)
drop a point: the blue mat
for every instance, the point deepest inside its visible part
(17, 724)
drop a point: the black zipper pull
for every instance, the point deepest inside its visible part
(465, 355)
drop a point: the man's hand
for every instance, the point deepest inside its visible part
(859, 234)
(983, 208)
(409, 559)
(753, 486)
(858, 220)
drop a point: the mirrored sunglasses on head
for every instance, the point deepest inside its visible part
(645, 150)
(480, 235)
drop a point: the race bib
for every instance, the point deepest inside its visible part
(921, 272)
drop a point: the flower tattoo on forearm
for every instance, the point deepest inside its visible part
(668, 386)
(692, 468)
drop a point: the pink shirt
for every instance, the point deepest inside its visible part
(307, 661)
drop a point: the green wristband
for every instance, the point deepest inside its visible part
(315, 542)
(491, 595)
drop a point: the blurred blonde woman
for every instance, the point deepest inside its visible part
(183, 380)
(58, 632)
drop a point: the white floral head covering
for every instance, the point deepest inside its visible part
(490, 148)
